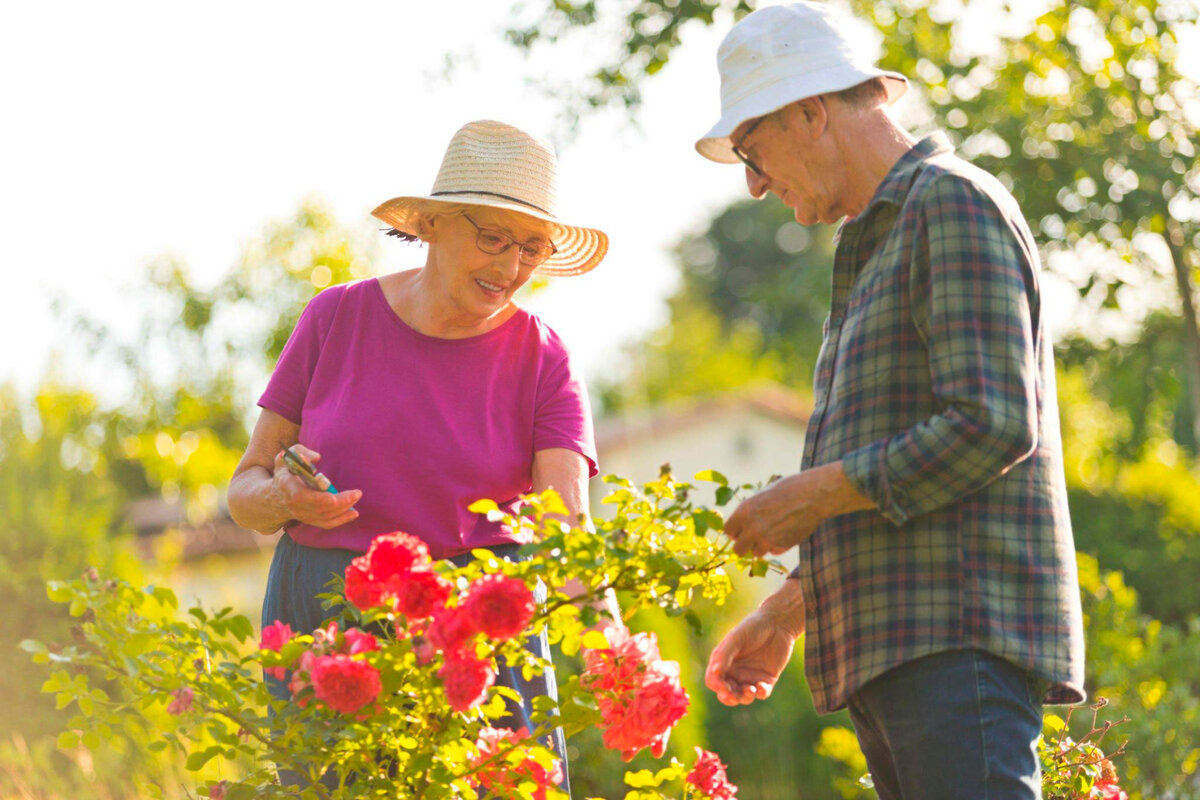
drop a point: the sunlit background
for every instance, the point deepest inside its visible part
(176, 179)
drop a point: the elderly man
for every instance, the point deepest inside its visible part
(936, 579)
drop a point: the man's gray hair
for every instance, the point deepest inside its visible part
(866, 95)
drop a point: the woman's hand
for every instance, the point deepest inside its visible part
(264, 495)
(305, 504)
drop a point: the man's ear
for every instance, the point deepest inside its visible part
(815, 115)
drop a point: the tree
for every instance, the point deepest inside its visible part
(1083, 113)
(754, 296)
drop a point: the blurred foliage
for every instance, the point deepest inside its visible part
(72, 465)
(1082, 112)
(1148, 672)
(754, 295)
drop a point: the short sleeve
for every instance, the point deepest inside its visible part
(564, 416)
(293, 373)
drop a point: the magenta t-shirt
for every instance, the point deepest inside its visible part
(424, 426)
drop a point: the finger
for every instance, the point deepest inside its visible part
(310, 454)
(341, 519)
(343, 500)
(764, 689)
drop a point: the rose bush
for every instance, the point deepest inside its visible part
(396, 694)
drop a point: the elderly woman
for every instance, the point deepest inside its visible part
(423, 391)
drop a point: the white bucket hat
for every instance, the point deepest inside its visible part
(489, 163)
(781, 54)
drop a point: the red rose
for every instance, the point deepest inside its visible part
(502, 776)
(343, 683)
(217, 790)
(359, 641)
(1109, 790)
(360, 589)
(708, 775)
(420, 591)
(451, 629)
(392, 554)
(499, 606)
(181, 700)
(644, 717)
(467, 680)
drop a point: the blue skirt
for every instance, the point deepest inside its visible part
(299, 573)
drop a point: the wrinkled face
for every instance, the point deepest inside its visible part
(476, 283)
(793, 163)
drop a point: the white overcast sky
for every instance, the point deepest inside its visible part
(136, 129)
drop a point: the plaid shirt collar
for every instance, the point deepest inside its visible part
(898, 181)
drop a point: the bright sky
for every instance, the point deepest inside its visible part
(138, 129)
(135, 129)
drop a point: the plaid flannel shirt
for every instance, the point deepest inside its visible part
(935, 386)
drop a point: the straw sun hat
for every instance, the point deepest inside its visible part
(492, 164)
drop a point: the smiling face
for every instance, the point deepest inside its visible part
(795, 159)
(474, 286)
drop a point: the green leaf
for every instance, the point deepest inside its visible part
(711, 476)
(165, 596)
(483, 506)
(196, 761)
(595, 640)
(91, 740)
(1052, 723)
(68, 740)
(157, 746)
(58, 592)
(724, 495)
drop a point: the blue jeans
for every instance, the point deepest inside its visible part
(298, 573)
(959, 725)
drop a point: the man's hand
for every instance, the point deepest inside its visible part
(747, 663)
(788, 511)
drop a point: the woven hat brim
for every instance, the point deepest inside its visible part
(716, 145)
(579, 250)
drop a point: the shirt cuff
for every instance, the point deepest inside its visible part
(866, 468)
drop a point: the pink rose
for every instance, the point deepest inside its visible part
(423, 649)
(274, 637)
(343, 683)
(499, 606)
(451, 629)
(217, 790)
(359, 641)
(502, 776)
(300, 678)
(708, 775)
(1109, 790)
(181, 700)
(467, 680)
(420, 592)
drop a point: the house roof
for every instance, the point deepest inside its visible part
(618, 432)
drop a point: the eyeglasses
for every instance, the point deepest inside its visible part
(494, 242)
(741, 154)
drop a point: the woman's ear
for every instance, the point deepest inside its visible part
(425, 227)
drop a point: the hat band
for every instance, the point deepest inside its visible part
(496, 194)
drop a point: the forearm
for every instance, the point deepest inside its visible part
(254, 502)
